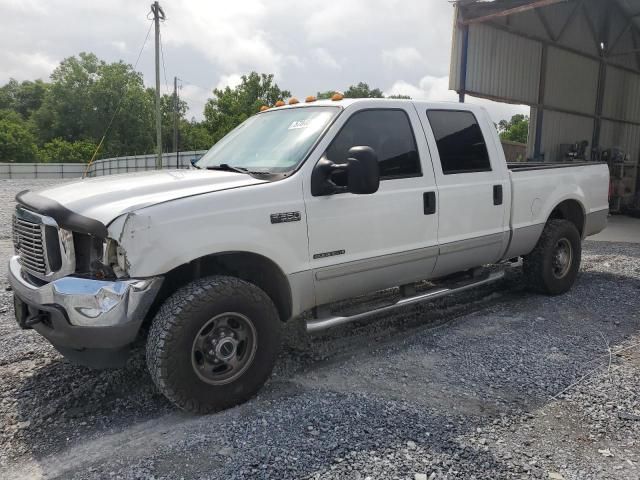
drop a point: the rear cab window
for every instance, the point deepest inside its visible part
(461, 145)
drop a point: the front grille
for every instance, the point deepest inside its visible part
(28, 242)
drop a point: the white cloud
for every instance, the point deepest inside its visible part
(119, 45)
(401, 57)
(26, 66)
(430, 88)
(325, 59)
(196, 97)
(231, 34)
(436, 89)
(232, 80)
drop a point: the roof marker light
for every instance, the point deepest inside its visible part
(279, 103)
(263, 108)
(337, 96)
(310, 98)
(293, 101)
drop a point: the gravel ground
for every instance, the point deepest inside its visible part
(499, 384)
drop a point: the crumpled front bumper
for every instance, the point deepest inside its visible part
(80, 313)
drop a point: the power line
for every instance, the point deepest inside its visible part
(164, 67)
(117, 110)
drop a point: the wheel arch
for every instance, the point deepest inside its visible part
(571, 210)
(251, 267)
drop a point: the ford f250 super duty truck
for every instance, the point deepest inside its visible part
(299, 207)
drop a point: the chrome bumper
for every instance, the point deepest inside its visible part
(89, 303)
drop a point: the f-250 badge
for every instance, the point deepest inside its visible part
(285, 217)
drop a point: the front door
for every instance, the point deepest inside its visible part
(363, 243)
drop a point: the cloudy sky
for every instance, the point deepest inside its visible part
(399, 46)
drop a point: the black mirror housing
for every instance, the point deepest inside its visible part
(363, 171)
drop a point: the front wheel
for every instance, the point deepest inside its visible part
(213, 344)
(552, 266)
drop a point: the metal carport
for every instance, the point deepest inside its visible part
(576, 63)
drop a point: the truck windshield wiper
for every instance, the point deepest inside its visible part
(228, 168)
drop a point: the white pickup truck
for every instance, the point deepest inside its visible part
(298, 207)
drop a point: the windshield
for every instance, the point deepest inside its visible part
(273, 142)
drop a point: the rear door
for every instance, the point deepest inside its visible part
(362, 243)
(473, 188)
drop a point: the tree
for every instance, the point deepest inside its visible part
(325, 95)
(59, 150)
(17, 142)
(515, 130)
(231, 106)
(400, 97)
(83, 97)
(194, 136)
(362, 90)
(23, 98)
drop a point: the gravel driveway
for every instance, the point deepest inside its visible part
(499, 384)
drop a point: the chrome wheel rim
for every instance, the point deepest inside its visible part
(224, 348)
(562, 258)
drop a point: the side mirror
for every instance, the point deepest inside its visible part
(194, 160)
(362, 173)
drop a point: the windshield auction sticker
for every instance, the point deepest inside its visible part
(299, 124)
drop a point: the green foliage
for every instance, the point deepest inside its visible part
(59, 150)
(17, 142)
(362, 90)
(325, 95)
(23, 98)
(63, 120)
(194, 136)
(515, 130)
(231, 106)
(400, 97)
(84, 94)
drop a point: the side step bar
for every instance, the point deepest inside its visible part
(319, 324)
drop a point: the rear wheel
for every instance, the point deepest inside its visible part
(213, 344)
(552, 267)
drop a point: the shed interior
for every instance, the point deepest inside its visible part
(576, 63)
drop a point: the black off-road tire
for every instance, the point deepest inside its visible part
(539, 264)
(179, 321)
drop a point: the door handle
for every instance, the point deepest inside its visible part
(497, 194)
(429, 203)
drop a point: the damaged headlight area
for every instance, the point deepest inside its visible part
(116, 258)
(99, 259)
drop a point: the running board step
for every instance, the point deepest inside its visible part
(319, 324)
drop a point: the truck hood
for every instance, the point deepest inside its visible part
(106, 198)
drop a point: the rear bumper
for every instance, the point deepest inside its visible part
(77, 313)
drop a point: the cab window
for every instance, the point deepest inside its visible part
(389, 133)
(460, 142)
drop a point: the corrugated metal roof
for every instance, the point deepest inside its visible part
(589, 44)
(503, 65)
(571, 81)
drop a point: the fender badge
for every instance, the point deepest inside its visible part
(328, 254)
(285, 217)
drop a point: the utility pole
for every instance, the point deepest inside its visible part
(175, 120)
(158, 14)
